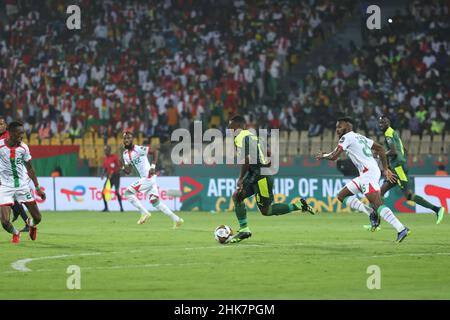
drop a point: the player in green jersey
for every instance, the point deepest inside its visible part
(252, 181)
(397, 162)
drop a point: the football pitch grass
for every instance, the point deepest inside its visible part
(296, 256)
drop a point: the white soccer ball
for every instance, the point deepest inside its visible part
(222, 233)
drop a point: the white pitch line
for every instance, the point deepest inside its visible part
(20, 265)
(413, 254)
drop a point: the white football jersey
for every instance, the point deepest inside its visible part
(359, 149)
(138, 158)
(13, 172)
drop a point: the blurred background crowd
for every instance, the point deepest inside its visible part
(153, 66)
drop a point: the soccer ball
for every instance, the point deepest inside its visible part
(222, 233)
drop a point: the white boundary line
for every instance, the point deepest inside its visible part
(20, 265)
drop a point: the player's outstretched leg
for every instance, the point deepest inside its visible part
(137, 204)
(388, 215)
(424, 203)
(278, 209)
(7, 225)
(177, 221)
(34, 220)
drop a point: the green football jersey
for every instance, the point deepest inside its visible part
(248, 144)
(392, 139)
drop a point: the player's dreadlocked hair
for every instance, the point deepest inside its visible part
(15, 124)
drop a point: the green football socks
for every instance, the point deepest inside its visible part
(424, 203)
(241, 214)
(278, 209)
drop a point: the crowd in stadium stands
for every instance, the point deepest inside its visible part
(403, 70)
(150, 66)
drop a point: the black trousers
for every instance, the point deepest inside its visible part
(115, 183)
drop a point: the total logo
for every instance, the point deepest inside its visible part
(76, 194)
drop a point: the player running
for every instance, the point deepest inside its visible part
(252, 182)
(137, 157)
(15, 174)
(17, 207)
(397, 162)
(359, 149)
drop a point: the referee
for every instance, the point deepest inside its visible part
(111, 168)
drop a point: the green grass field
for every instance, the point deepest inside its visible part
(296, 256)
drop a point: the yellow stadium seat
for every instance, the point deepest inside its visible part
(140, 140)
(88, 138)
(99, 141)
(284, 135)
(155, 142)
(67, 142)
(437, 145)
(89, 152)
(34, 140)
(446, 144)
(414, 145)
(99, 152)
(304, 143)
(215, 121)
(78, 142)
(425, 145)
(82, 152)
(112, 141)
(316, 144)
(55, 141)
(45, 142)
(292, 147)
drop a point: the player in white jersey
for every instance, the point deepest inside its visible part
(137, 157)
(15, 174)
(359, 149)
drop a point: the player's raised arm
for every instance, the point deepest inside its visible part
(333, 155)
(378, 149)
(32, 175)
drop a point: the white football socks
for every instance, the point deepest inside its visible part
(162, 207)
(355, 204)
(390, 218)
(136, 203)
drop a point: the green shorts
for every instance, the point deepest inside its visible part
(261, 187)
(402, 176)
